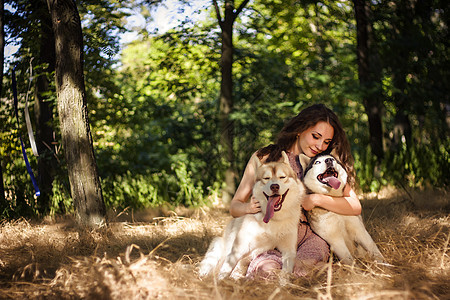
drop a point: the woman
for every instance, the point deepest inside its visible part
(314, 130)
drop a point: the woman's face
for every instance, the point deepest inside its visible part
(315, 139)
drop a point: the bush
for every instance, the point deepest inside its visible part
(153, 189)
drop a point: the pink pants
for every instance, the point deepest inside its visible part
(311, 251)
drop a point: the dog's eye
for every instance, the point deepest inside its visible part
(266, 178)
(317, 162)
(282, 177)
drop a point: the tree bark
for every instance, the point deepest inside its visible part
(226, 93)
(2, 60)
(369, 76)
(43, 108)
(73, 115)
(402, 126)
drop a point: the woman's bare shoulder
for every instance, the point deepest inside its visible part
(256, 157)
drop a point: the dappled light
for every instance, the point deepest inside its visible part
(158, 258)
(144, 131)
(154, 103)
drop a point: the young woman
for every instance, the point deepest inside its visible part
(314, 130)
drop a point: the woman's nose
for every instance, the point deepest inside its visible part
(320, 146)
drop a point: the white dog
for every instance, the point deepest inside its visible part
(280, 193)
(323, 174)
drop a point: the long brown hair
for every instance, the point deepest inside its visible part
(307, 118)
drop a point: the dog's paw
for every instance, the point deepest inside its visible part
(205, 269)
(225, 271)
(222, 275)
(203, 273)
(284, 279)
(380, 260)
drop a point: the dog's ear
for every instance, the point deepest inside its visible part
(256, 161)
(304, 160)
(285, 158)
(334, 153)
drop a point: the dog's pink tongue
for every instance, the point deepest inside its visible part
(270, 208)
(333, 182)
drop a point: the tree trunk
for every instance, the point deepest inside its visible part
(402, 133)
(369, 76)
(226, 101)
(402, 126)
(226, 93)
(43, 108)
(2, 60)
(72, 109)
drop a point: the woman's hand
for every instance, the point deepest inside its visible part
(309, 201)
(239, 208)
(253, 206)
(240, 205)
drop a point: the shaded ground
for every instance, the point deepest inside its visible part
(154, 254)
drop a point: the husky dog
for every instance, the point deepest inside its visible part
(280, 193)
(323, 174)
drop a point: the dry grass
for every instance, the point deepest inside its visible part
(151, 255)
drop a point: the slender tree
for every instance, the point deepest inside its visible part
(369, 75)
(403, 64)
(226, 91)
(73, 115)
(43, 108)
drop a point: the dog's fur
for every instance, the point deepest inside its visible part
(280, 192)
(323, 174)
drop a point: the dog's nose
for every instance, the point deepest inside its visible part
(274, 188)
(329, 162)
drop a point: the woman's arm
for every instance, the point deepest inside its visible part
(348, 204)
(239, 205)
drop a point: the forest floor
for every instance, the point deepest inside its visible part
(155, 254)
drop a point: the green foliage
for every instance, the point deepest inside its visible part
(413, 45)
(419, 166)
(23, 22)
(153, 189)
(154, 109)
(18, 188)
(102, 23)
(158, 128)
(61, 199)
